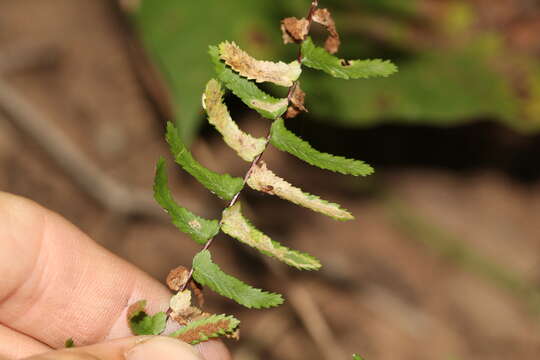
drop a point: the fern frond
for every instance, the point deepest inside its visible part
(207, 328)
(224, 186)
(199, 229)
(261, 71)
(207, 273)
(262, 179)
(237, 226)
(256, 99)
(246, 146)
(318, 58)
(285, 140)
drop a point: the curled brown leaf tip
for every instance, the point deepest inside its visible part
(324, 17)
(177, 278)
(297, 102)
(294, 29)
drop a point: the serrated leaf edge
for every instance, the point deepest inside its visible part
(240, 61)
(245, 145)
(287, 141)
(223, 185)
(200, 274)
(237, 226)
(264, 180)
(213, 319)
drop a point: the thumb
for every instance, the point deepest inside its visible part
(133, 348)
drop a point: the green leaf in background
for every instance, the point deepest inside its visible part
(286, 141)
(224, 186)
(141, 323)
(256, 99)
(237, 226)
(318, 58)
(177, 34)
(207, 328)
(447, 76)
(439, 89)
(199, 229)
(206, 273)
(357, 357)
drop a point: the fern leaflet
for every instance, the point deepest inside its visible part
(207, 273)
(261, 71)
(224, 186)
(318, 58)
(199, 229)
(286, 141)
(256, 99)
(263, 179)
(237, 226)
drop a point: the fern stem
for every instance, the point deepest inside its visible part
(255, 162)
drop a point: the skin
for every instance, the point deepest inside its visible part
(56, 283)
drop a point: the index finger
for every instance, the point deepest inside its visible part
(58, 284)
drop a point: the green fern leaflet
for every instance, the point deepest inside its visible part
(199, 229)
(207, 273)
(224, 186)
(318, 58)
(285, 140)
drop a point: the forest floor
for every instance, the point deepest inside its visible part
(440, 264)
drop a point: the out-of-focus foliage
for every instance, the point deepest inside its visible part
(177, 35)
(455, 66)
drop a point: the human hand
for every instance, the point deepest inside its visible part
(57, 284)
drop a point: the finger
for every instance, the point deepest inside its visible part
(214, 350)
(14, 345)
(57, 283)
(134, 348)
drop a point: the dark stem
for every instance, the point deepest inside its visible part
(255, 162)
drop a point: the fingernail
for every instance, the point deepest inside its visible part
(162, 348)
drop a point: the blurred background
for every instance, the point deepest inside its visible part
(443, 260)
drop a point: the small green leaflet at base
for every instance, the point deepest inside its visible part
(206, 273)
(69, 343)
(285, 140)
(318, 58)
(237, 226)
(206, 328)
(199, 229)
(357, 357)
(224, 186)
(264, 180)
(141, 323)
(245, 145)
(256, 99)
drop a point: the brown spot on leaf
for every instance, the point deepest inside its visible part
(294, 29)
(195, 225)
(188, 315)
(324, 17)
(197, 333)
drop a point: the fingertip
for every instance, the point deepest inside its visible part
(213, 350)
